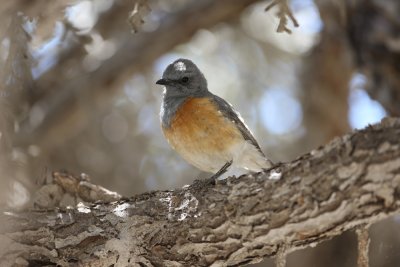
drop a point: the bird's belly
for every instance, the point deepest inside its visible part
(201, 135)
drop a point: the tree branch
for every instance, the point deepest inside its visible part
(363, 246)
(325, 75)
(352, 181)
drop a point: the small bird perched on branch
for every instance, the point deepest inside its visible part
(202, 127)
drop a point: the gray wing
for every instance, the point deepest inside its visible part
(230, 113)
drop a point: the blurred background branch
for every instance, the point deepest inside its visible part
(78, 88)
(373, 30)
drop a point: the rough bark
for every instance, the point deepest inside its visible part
(352, 181)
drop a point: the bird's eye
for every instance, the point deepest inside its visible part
(185, 79)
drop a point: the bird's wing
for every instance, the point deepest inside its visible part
(233, 115)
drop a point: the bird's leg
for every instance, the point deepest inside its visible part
(221, 171)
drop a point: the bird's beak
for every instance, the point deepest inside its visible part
(164, 82)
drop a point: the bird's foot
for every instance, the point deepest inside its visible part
(221, 171)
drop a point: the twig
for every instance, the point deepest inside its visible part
(363, 246)
(283, 13)
(280, 259)
(140, 10)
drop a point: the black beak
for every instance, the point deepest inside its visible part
(164, 82)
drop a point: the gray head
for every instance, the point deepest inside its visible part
(182, 78)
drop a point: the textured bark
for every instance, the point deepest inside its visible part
(352, 181)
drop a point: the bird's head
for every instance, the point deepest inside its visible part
(183, 78)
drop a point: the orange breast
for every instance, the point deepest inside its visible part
(201, 134)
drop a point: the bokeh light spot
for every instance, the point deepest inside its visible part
(115, 127)
(147, 120)
(363, 109)
(281, 113)
(20, 195)
(81, 15)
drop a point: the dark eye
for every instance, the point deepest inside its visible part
(185, 79)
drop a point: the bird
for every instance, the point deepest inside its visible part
(204, 128)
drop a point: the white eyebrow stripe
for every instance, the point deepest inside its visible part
(180, 66)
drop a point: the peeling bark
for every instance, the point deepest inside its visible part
(350, 182)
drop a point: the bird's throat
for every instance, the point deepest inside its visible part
(169, 107)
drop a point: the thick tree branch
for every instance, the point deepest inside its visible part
(352, 181)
